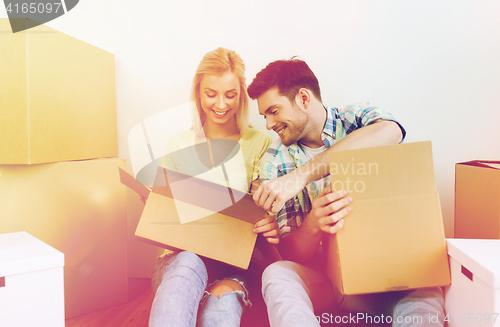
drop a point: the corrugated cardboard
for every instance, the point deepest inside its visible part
(226, 235)
(477, 199)
(57, 98)
(393, 239)
(129, 180)
(77, 207)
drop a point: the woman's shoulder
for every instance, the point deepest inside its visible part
(253, 134)
(256, 141)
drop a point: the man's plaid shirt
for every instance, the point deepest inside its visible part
(280, 159)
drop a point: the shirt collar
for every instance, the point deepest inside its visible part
(328, 137)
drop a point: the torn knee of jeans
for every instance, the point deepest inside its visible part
(222, 287)
(229, 286)
(240, 295)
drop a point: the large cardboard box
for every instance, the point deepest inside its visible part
(223, 229)
(393, 239)
(57, 98)
(477, 199)
(473, 298)
(31, 282)
(79, 208)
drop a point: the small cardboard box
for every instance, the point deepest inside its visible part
(79, 208)
(393, 239)
(57, 98)
(31, 282)
(473, 298)
(477, 199)
(223, 234)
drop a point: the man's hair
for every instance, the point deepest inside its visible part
(288, 75)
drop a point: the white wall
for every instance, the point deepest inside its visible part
(434, 64)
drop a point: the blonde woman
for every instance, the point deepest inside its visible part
(223, 148)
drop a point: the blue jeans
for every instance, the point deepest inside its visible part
(179, 282)
(294, 293)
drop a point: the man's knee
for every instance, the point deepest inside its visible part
(279, 273)
(420, 303)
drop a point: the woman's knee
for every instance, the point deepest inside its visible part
(185, 264)
(224, 287)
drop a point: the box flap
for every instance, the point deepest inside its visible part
(481, 257)
(226, 235)
(21, 253)
(482, 163)
(385, 171)
(129, 181)
(493, 165)
(207, 196)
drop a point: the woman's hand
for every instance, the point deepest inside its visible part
(269, 229)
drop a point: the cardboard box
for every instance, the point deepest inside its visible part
(473, 298)
(79, 208)
(393, 239)
(32, 287)
(222, 234)
(57, 98)
(477, 199)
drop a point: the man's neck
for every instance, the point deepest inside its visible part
(314, 131)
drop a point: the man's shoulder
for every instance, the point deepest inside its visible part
(275, 149)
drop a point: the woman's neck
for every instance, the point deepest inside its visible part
(226, 131)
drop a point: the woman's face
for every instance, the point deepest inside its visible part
(220, 98)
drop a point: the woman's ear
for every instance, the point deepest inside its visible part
(303, 98)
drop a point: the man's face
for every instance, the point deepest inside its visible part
(284, 117)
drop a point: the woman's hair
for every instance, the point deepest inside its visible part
(219, 62)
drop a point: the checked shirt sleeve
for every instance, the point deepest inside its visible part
(276, 163)
(360, 115)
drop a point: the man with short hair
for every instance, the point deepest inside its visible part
(295, 186)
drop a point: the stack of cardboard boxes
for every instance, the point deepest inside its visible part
(59, 179)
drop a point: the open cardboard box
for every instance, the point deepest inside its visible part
(225, 230)
(57, 98)
(477, 199)
(393, 239)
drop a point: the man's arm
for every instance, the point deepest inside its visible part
(327, 213)
(272, 194)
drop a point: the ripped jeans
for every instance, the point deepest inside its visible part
(180, 281)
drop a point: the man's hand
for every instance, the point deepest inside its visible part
(328, 210)
(269, 229)
(272, 194)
